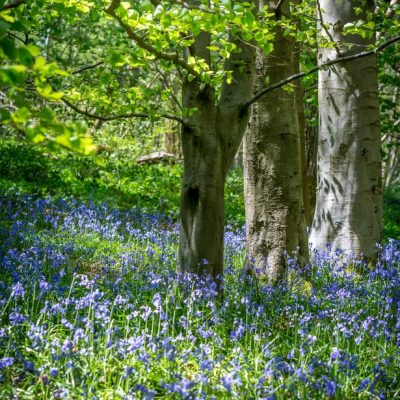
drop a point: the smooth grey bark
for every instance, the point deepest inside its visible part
(210, 140)
(348, 211)
(272, 167)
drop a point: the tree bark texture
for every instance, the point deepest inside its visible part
(272, 167)
(210, 140)
(348, 211)
(299, 93)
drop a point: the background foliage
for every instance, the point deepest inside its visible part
(115, 178)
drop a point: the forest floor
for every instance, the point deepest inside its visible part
(91, 306)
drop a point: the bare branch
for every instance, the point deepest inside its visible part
(106, 118)
(86, 67)
(12, 4)
(317, 68)
(141, 42)
(16, 37)
(326, 29)
(166, 85)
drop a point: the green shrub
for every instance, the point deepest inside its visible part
(391, 212)
(114, 177)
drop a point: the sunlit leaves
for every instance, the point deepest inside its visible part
(171, 27)
(360, 28)
(25, 80)
(83, 6)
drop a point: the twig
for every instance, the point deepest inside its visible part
(107, 118)
(168, 86)
(86, 67)
(326, 29)
(16, 37)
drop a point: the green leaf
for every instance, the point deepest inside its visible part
(8, 47)
(47, 92)
(21, 116)
(5, 115)
(116, 60)
(46, 114)
(3, 27)
(34, 50)
(5, 15)
(13, 74)
(249, 18)
(25, 56)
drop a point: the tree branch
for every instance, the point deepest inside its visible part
(16, 37)
(86, 67)
(166, 85)
(106, 118)
(13, 4)
(317, 68)
(141, 42)
(326, 29)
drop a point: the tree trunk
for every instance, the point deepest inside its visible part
(272, 167)
(349, 197)
(172, 142)
(311, 142)
(210, 140)
(238, 159)
(299, 93)
(202, 200)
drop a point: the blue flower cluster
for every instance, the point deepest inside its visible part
(91, 307)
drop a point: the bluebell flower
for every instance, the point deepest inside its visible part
(16, 318)
(330, 387)
(157, 301)
(6, 362)
(238, 332)
(18, 290)
(364, 384)
(231, 379)
(335, 354)
(146, 312)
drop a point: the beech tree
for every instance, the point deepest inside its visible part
(212, 129)
(348, 211)
(275, 221)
